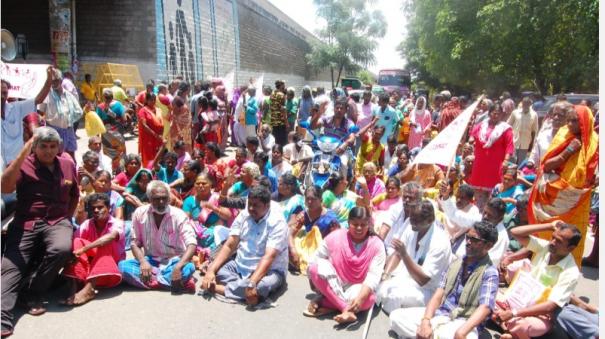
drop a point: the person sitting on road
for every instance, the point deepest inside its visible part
(338, 198)
(460, 212)
(416, 261)
(347, 269)
(298, 154)
(167, 237)
(241, 188)
(465, 296)
(369, 186)
(98, 246)
(102, 184)
(381, 204)
(135, 194)
(132, 164)
(395, 222)
(278, 164)
(371, 150)
(259, 241)
(167, 173)
(578, 319)
(552, 267)
(184, 187)
(262, 160)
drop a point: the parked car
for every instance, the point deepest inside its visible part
(571, 97)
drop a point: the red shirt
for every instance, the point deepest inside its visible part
(44, 195)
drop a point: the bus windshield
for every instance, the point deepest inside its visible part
(394, 78)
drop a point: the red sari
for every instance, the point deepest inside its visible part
(487, 168)
(149, 145)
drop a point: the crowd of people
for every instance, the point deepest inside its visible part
(218, 185)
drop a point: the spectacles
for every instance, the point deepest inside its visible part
(472, 239)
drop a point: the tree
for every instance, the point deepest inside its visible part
(550, 46)
(349, 37)
(366, 76)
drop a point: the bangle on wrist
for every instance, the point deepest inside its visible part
(425, 318)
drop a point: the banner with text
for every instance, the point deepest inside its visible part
(26, 79)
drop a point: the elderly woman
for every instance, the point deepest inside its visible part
(288, 195)
(402, 155)
(241, 188)
(151, 129)
(339, 199)
(347, 269)
(493, 143)
(308, 228)
(369, 186)
(371, 150)
(508, 190)
(90, 161)
(180, 123)
(567, 176)
(184, 187)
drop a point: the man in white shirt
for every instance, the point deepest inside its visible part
(493, 212)
(395, 223)
(524, 122)
(298, 154)
(12, 118)
(259, 238)
(95, 144)
(460, 212)
(416, 261)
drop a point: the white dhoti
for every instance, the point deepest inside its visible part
(401, 291)
(251, 131)
(405, 322)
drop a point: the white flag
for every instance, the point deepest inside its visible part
(442, 149)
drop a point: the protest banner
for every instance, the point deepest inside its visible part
(26, 79)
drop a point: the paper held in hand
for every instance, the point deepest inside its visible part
(524, 291)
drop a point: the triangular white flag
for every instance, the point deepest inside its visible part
(442, 149)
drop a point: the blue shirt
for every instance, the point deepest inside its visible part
(251, 110)
(271, 231)
(163, 175)
(269, 173)
(115, 106)
(387, 118)
(487, 292)
(190, 206)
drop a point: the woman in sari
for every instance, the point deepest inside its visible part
(339, 199)
(214, 164)
(184, 187)
(308, 228)
(150, 130)
(369, 185)
(132, 164)
(509, 190)
(371, 150)
(288, 195)
(567, 175)
(347, 269)
(203, 207)
(493, 143)
(382, 203)
(135, 194)
(420, 123)
(180, 123)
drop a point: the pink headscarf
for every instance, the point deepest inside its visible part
(351, 267)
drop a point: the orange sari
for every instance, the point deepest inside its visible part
(565, 193)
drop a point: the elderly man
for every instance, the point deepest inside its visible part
(47, 186)
(259, 238)
(524, 122)
(95, 144)
(167, 237)
(465, 297)
(118, 91)
(12, 118)
(460, 213)
(553, 268)
(557, 119)
(424, 252)
(396, 222)
(62, 110)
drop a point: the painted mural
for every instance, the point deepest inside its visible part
(179, 33)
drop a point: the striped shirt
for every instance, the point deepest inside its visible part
(487, 293)
(169, 240)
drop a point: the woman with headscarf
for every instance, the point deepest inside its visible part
(493, 141)
(135, 194)
(420, 123)
(151, 129)
(566, 176)
(180, 123)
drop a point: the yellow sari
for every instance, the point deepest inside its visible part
(564, 194)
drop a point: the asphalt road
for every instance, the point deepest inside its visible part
(124, 312)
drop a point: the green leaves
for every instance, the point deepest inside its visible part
(504, 44)
(349, 38)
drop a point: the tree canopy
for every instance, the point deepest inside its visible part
(349, 37)
(546, 45)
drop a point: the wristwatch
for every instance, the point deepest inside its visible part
(251, 284)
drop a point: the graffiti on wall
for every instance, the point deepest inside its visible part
(180, 39)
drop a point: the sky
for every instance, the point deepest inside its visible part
(303, 12)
